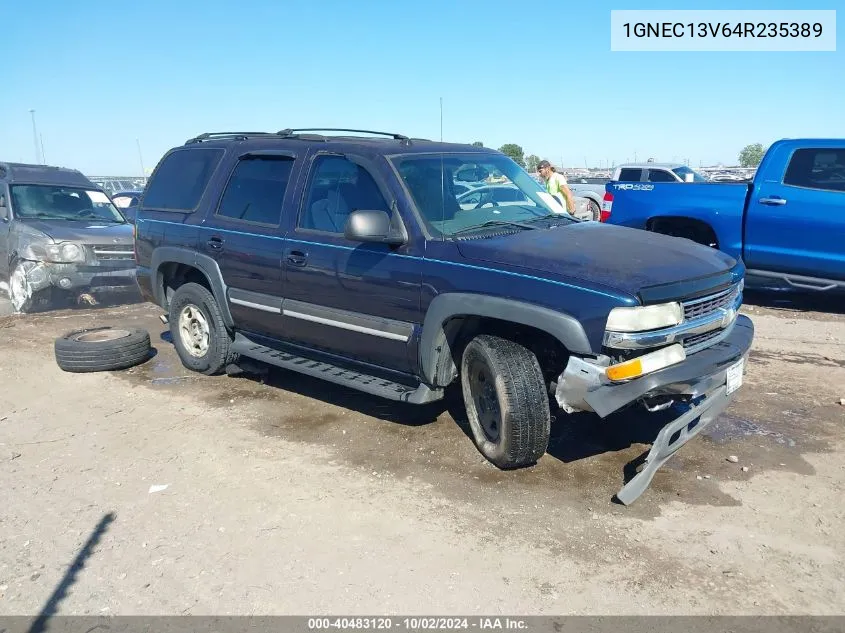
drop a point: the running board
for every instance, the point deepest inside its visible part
(337, 375)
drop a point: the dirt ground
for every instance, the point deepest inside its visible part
(298, 497)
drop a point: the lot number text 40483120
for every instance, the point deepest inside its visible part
(417, 623)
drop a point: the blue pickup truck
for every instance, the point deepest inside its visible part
(351, 257)
(787, 226)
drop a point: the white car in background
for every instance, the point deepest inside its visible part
(463, 187)
(656, 172)
(506, 194)
(127, 202)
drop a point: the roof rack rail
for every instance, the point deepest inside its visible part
(292, 131)
(208, 136)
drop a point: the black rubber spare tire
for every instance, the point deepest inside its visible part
(102, 349)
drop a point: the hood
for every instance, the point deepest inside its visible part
(87, 232)
(616, 257)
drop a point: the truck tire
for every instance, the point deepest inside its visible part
(506, 401)
(198, 331)
(102, 349)
(595, 210)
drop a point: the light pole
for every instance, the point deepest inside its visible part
(35, 137)
(441, 119)
(141, 158)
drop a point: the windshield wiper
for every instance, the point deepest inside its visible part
(94, 220)
(490, 223)
(554, 216)
(40, 215)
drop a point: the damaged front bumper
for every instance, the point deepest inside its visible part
(700, 382)
(78, 277)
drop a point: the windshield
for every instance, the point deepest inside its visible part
(683, 171)
(46, 202)
(497, 191)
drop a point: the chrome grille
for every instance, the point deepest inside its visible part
(113, 252)
(697, 308)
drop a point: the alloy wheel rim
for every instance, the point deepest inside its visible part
(194, 331)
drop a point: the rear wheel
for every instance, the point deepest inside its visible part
(198, 331)
(506, 401)
(595, 210)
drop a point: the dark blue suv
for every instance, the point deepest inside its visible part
(351, 256)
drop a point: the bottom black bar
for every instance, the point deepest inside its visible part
(310, 624)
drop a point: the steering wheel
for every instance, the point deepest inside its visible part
(492, 203)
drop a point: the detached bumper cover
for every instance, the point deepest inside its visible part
(671, 437)
(80, 277)
(701, 381)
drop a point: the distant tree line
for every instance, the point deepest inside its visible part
(750, 156)
(517, 154)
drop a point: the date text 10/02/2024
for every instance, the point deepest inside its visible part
(417, 623)
(723, 29)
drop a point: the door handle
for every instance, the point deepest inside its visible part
(773, 201)
(215, 243)
(297, 258)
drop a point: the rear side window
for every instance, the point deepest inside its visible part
(181, 179)
(817, 169)
(630, 175)
(658, 175)
(256, 190)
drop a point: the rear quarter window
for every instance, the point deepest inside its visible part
(630, 175)
(180, 180)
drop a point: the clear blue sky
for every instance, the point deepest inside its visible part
(541, 74)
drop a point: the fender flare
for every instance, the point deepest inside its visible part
(434, 340)
(205, 264)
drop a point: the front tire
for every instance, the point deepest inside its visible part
(506, 401)
(198, 331)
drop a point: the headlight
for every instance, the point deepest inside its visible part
(643, 318)
(64, 253)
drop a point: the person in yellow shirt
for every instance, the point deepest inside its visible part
(556, 184)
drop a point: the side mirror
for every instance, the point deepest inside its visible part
(4, 210)
(373, 226)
